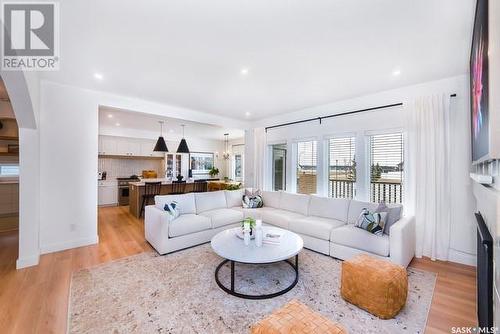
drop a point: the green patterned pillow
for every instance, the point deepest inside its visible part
(372, 222)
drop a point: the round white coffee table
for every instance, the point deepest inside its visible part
(227, 245)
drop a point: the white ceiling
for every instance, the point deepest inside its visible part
(129, 123)
(298, 53)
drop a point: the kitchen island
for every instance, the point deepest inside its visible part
(136, 190)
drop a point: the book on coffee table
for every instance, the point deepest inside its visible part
(272, 237)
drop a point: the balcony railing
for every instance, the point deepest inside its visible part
(382, 190)
(387, 191)
(341, 188)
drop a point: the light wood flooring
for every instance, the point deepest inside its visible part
(35, 300)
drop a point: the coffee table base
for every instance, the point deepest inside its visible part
(231, 290)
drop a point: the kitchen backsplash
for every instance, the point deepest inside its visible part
(127, 167)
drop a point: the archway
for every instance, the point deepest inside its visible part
(22, 90)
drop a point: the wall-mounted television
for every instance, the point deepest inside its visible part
(479, 85)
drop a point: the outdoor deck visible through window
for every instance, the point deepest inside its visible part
(386, 168)
(307, 167)
(342, 167)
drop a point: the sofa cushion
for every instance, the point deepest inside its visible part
(317, 227)
(298, 203)
(393, 214)
(280, 218)
(356, 207)
(187, 224)
(326, 207)
(210, 201)
(233, 197)
(185, 202)
(354, 237)
(271, 198)
(223, 217)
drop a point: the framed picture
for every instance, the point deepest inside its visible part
(480, 117)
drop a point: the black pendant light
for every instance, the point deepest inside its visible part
(183, 146)
(161, 146)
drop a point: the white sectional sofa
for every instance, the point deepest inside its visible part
(325, 224)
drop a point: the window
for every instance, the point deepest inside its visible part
(386, 166)
(279, 166)
(201, 163)
(342, 167)
(238, 166)
(9, 170)
(306, 167)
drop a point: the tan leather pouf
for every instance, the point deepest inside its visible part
(295, 318)
(377, 286)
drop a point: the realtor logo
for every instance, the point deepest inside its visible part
(30, 36)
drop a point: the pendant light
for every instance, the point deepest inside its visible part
(161, 146)
(183, 146)
(226, 155)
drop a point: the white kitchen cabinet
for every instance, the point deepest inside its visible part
(107, 193)
(134, 147)
(147, 147)
(108, 145)
(127, 147)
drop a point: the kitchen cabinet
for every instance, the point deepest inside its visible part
(107, 193)
(127, 147)
(107, 145)
(147, 147)
(9, 198)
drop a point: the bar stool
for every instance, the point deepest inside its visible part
(151, 189)
(178, 187)
(200, 186)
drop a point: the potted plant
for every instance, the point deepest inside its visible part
(251, 222)
(214, 171)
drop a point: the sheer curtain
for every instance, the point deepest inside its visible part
(259, 157)
(429, 183)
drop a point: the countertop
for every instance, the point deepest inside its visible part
(163, 181)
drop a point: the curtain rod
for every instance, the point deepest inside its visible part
(340, 114)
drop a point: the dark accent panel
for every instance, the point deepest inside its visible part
(484, 274)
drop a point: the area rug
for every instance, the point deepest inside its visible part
(177, 293)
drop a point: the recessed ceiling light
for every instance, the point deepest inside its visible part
(244, 71)
(247, 114)
(171, 131)
(396, 73)
(110, 116)
(98, 76)
(117, 124)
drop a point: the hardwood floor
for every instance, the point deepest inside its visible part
(35, 300)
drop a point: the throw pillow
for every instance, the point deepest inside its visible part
(252, 202)
(393, 215)
(372, 222)
(172, 209)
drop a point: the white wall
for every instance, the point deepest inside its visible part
(462, 244)
(68, 158)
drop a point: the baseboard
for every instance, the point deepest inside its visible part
(28, 261)
(461, 257)
(60, 246)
